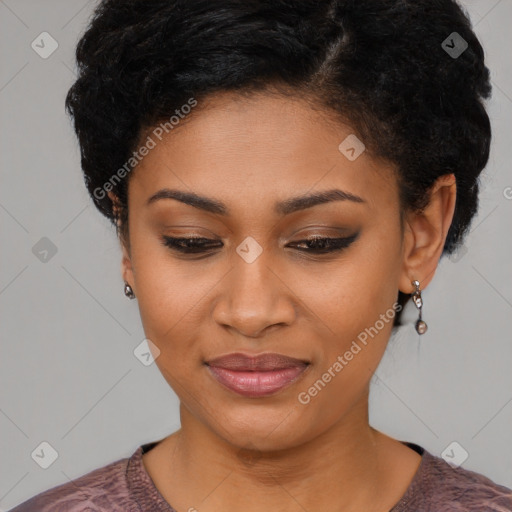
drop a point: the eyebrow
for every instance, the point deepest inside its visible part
(285, 207)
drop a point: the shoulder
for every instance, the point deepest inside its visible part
(103, 489)
(440, 487)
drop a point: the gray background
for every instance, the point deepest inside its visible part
(68, 374)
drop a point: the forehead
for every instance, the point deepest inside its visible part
(259, 149)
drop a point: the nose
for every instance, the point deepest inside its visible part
(254, 298)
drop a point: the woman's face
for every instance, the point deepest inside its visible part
(259, 287)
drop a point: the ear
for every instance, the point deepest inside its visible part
(425, 234)
(127, 271)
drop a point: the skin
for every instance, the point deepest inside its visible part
(284, 455)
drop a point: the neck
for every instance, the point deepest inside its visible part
(347, 465)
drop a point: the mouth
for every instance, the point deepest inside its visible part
(256, 376)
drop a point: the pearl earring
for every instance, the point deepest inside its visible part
(421, 326)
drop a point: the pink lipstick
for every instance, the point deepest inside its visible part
(256, 376)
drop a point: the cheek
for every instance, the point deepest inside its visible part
(350, 293)
(356, 300)
(170, 294)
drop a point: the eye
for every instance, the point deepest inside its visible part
(315, 245)
(320, 245)
(193, 245)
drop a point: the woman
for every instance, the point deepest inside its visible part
(283, 176)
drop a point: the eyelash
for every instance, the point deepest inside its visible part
(198, 245)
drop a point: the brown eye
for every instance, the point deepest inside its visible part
(315, 245)
(193, 245)
(321, 245)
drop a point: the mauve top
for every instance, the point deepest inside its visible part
(125, 486)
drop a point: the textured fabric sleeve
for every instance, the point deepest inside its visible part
(103, 489)
(442, 488)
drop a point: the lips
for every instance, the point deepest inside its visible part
(262, 363)
(256, 376)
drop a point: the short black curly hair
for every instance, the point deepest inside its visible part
(384, 65)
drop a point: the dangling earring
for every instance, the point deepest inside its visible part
(128, 291)
(421, 326)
